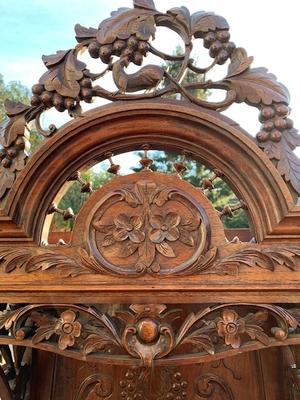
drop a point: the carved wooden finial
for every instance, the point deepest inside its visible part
(86, 187)
(113, 168)
(145, 161)
(67, 213)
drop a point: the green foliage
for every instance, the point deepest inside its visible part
(220, 196)
(15, 91)
(75, 199)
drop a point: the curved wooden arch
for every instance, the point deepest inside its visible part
(213, 139)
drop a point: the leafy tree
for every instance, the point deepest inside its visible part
(15, 91)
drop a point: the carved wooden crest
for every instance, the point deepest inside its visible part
(146, 222)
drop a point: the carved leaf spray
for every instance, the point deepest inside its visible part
(127, 37)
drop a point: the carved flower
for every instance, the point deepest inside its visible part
(128, 227)
(67, 329)
(230, 327)
(164, 228)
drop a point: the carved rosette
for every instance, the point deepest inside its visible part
(148, 226)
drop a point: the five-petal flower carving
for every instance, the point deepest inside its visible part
(128, 227)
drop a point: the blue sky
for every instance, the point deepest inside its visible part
(268, 30)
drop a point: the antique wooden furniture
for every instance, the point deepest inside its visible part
(149, 299)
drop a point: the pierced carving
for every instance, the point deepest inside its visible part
(124, 38)
(206, 386)
(149, 333)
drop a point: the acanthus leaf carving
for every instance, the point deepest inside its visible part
(83, 33)
(148, 332)
(147, 4)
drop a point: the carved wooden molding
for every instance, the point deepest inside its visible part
(126, 36)
(74, 261)
(146, 334)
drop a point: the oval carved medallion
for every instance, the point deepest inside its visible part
(149, 224)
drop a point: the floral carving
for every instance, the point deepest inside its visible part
(67, 328)
(149, 332)
(150, 231)
(230, 327)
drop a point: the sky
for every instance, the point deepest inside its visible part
(268, 30)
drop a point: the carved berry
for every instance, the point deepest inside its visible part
(280, 123)
(282, 110)
(143, 47)
(208, 39)
(223, 36)
(222, 57)
(35, 100)
(215, 48)
(58, 102)
(289, 123)
(69, 103)
(86, 83)
(105, 53)
(275, 135)
(263, 136)
(138, 58)
(37, 89)
(20, 143)
(93, 49)
(87, 94)
(268, 125)
(229, 47)
(118, 46)
(2, 153)
(46, 98)
(6, 162)
(12, 152)
(266, 113)
(132, 43)
(128, 53)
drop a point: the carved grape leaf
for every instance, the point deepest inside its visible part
(265, 258)
(83, 33)
(240, 62)
(13, 126)
(148, 4)
(289, 165)
(126, 22)
(64, 73)
(257, 85)
(179, 20)
(202, 22)
(7, 178)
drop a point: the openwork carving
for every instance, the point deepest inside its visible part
(145, 224)
(127, 37)
(148, 334)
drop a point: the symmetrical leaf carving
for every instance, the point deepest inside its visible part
(149, 333)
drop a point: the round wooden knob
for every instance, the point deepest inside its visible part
(148, 330)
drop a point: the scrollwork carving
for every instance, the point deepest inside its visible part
(99, 385)
(149, 334)
(206, 386)
(124, 38)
